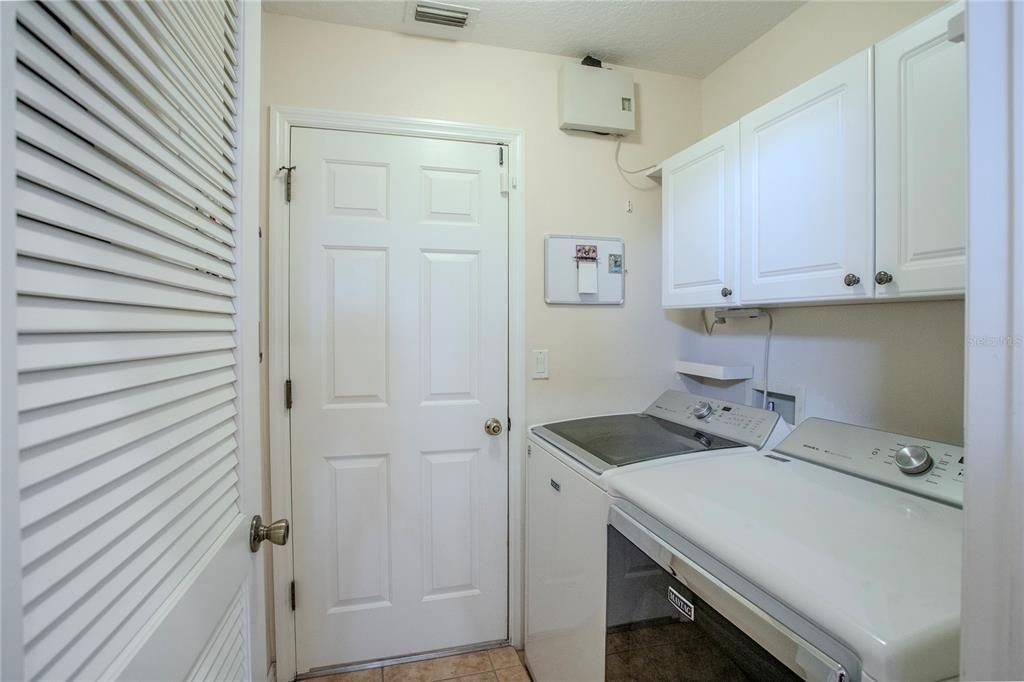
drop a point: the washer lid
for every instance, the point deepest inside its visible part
(616, 440)
(877, 568)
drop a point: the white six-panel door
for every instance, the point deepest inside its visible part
(137, 269)
(807, 219)
(921, 157)
(700, 222)
(398, 338)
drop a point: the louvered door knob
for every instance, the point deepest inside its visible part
(851, 280)
(882, 277)
(726, 292)
(277, 532)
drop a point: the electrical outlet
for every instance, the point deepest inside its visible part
(540, 364)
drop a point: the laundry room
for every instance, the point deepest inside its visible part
(614, 343)
(892, 366)
(511, 340)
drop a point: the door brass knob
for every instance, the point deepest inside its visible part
(277, 532)
(492, 426)
(851, 280)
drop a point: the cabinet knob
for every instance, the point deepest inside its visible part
(882, 277)
(851, 280)
(726, 292)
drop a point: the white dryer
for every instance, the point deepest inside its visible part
(836, 557)
(570, 466)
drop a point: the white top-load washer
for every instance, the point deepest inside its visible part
(570, 465)
(837, 555)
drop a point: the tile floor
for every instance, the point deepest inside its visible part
(494, 665)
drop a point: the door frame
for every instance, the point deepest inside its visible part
(991, 626)
(282, 121)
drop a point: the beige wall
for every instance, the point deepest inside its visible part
(807, 42)
(601, 358)
(895, 366)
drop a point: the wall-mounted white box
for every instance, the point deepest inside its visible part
(596, 99)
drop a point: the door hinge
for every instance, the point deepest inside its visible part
(510, 424)
(287, 182)
(291, 594)
(288, 394)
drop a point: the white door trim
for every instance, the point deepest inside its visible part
(282, 121)
(992, 625)
(250, 414)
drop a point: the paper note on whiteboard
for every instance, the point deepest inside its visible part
(586, 277)
(584, 270)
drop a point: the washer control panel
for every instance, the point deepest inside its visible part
(741, 423)
(923, 467)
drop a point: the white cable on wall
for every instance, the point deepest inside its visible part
(618, 148)
(753, 314)
(767, 349)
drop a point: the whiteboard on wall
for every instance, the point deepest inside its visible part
(561, 274)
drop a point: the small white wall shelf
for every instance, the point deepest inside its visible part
(720, 372)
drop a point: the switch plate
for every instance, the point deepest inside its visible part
(540, 364)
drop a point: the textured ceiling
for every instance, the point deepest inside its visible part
(688, 38)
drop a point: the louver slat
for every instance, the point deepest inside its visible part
(217, 136)
(41, 133)
(152, 140)
(92, 72)
(129, 475)
(43, 242)
(223, 647)
(140, 92)
(53, 208)
(68, 113)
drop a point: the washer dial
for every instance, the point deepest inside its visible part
(913, 459)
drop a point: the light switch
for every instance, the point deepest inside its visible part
(540, 364)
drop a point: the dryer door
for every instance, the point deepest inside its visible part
(668, 618)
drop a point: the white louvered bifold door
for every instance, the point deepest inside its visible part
(134, 509)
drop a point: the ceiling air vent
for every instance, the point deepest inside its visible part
(442, 15)
(439, 19)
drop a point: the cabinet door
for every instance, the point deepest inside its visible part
(807, 223)
(921, 156)
(700, 223)
(566, 569)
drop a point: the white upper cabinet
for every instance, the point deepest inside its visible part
(807, 220)
(700, 223)
(921, 157)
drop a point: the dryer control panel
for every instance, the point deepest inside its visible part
(923, 467)
(741, 423)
